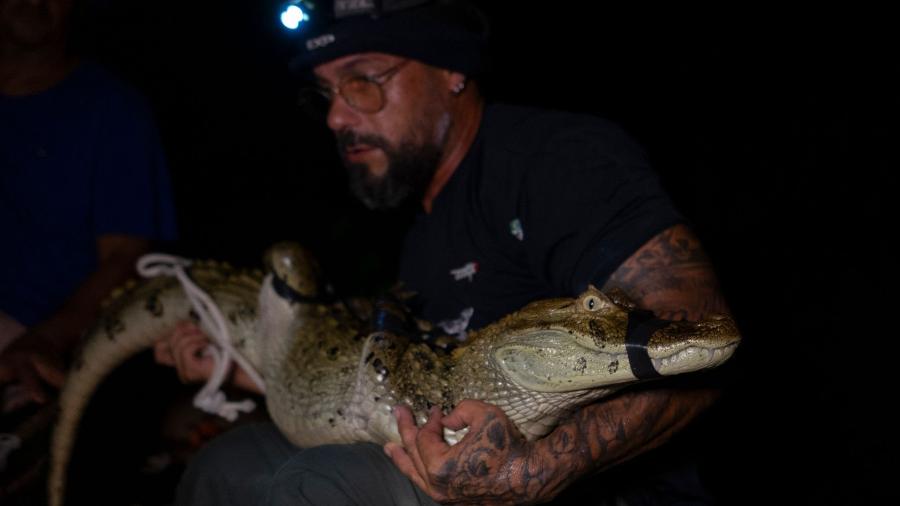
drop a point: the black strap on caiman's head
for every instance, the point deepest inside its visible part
(641, 326)
(393, 316)
(389, 314)
(285, 291)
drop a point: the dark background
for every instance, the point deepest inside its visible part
(774, 131)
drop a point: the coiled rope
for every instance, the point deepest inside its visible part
(210, 398)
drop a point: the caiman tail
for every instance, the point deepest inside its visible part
(132, 320)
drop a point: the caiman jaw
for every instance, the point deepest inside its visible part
(688, 358)
(689, 346)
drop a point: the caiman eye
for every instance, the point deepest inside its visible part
(591, 303)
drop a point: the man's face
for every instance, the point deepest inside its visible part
(32, 24)
(393, 153)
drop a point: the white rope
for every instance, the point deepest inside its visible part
(210, 398)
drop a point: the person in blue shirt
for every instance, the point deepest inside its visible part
(83, 192)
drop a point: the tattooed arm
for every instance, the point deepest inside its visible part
(493, 464)
(672, 276)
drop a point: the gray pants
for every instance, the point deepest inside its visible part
(255, 465)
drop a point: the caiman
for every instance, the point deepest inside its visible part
(331, 378)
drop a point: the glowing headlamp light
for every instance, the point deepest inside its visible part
(295, 13)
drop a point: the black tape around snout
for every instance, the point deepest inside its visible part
(285, 291)
(641, 326)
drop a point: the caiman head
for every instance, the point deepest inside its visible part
(291, 293)
(598, 340)
(296, 273)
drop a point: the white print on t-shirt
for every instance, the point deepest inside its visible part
(467, 271)
(515, 228)
(457, 326)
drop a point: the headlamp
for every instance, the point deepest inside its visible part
(449, 34)
(296, 13)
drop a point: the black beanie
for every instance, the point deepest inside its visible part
(445, 34)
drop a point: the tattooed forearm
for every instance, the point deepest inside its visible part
(672, 276)
(495, 465)
(609, 433)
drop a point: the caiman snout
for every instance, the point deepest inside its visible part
(687, 346)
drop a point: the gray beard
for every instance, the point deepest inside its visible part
(409, 172)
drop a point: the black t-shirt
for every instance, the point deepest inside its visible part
(543, 204)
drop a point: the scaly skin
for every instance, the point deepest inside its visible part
(328, 380)
(133, 319)
(537, 364)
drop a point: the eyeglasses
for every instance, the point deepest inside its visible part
(363, 93)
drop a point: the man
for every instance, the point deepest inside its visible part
(518, 204)
(83, 190)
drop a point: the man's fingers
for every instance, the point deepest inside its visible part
(430, 440)
(192, 366)
(30, 370)
(30, 381)
(405, 464)
(406, 426)
(13, 398)
(184, 333)
(49, 371)
(162, 353)
(190, 347)
(190, 361)
(409, 434)
(467, 413)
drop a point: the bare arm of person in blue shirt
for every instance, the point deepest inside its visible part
(37, 358)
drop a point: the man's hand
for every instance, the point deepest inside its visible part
(185, 350)
(33, 362)
(491, 465)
